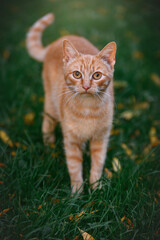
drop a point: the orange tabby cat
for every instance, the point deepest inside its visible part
(78, 84)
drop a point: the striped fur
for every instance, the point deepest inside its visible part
(84, 105)
(33, 41)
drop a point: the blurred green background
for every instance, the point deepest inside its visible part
(35, 201)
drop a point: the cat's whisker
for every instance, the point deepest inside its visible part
(99, 97)
(71, 97)
(64, 93)
(105, 93)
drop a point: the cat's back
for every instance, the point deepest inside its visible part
(55, 50)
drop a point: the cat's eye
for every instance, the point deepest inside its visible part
(77, 74)
(97, 75)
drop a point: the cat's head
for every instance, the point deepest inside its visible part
(89, 74)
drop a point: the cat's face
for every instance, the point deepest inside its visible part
(88, 74)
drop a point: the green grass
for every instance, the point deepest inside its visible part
(37, 175)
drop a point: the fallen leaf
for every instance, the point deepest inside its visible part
(1, 182)
(102, 11)
(17, 144)
(115, 131)
(40, 206)
(24, 146)
(41, 99)
(120, 106)
(116, 164)
(52, 145)
(22, 44)
(127, 149)
(108, 173)
(78, 4)
(156, 201)
(147, 149)
(64, 32)
(6, 54)
(127, 222)
(153, 138)
(137, 132)
(122, 219)
(138, 55)
(155, 78)
(2, 165)
(158, 193)
(85, 235)
(120, 84)
(93, 212)
(13, 154)
(55, 201)
(76, 216)
(141, 106)
(4, 211)
(29, 118)
(27, 213)
(76, 237)
(12, 196)
(132, 36)
(5, 138)
(128, 115)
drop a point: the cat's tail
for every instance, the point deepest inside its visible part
(33, 40)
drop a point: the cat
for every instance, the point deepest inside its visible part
(78, 86)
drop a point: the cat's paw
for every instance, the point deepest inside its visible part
(77, 187)
(95, 182)
(48, 138)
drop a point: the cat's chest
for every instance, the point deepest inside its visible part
(85, 123)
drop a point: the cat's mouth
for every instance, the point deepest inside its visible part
(86, 94)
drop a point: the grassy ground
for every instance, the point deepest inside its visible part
(35, 200)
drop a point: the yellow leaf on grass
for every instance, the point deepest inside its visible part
(138, 54)
(2, 165)
(41, 99)
(115, 131)
(6, 54)
(85, 235)
(102, 11)
(5, 138)
(158, 193)
(4, 211)
(108, 173)
(141, 106)
(40, 206)
(116, 165)
(120, 84)
(13, 154)
(127, 222)
(128, 115)
(12, 196)
(78, 4)
(127, 149)
(155, 78)
(122, 219)
(64, 32)
(120, 106)
(29, 118)
(153, 138)
(76, 217)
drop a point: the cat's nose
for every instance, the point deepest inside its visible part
(86, 87)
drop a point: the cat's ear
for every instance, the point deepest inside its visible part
(107, 54)
(69, 51)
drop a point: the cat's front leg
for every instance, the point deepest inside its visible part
(74, 162)
(98, 148)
